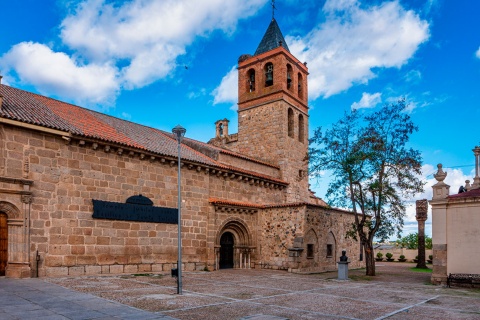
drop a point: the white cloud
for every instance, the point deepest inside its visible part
(353, 40)
(413, 76)
(227, 91)
(149, 35)
(121, 45)
(57, 73)
(477, 54)
(368, 101)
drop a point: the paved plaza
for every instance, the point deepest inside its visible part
(396, 292)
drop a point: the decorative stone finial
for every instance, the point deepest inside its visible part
(440, 175)
(440, 189)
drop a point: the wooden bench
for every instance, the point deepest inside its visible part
(472, 279)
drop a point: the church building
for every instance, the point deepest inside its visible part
(85, 193)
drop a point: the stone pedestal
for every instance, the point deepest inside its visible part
(343, 270)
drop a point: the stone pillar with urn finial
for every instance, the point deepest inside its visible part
(439, 227)
(421, 216)
(476, 180)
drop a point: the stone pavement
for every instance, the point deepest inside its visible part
(395, 293)
(23, 299)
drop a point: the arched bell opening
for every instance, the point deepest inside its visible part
(269, 74)
(251, 80)
(289, 77)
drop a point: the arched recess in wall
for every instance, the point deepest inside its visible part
(8, 213)
(331, 246)
(233, 245)
(301, 128)
(290, 123)
(311, 242)
(251, 80)
(268, 74)
(10, 210)
(238, 229)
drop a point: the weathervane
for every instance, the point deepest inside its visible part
(273, 9)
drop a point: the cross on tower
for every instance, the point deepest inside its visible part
(273, 9)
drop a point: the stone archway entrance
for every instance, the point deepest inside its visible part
(3, 243)
(226, 250)
(233, 246)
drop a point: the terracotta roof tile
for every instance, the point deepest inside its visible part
(39, 110)
(469, 194)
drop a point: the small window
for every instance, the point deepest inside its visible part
(290, 123)
(329, 250)
(310, 251)
(268, 74)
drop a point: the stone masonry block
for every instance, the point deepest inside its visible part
(57, 272)
(116, 269)
(91, 270)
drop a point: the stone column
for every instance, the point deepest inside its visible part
(422, 209)
(476, 180)
(439, 227)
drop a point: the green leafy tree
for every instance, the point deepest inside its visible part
(372, 169)
(410, 241)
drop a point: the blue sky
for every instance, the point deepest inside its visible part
(168, 62)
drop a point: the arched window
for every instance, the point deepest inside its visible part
(300, 85)
(290, 122)
(251, 80)
(269, 74)
(289, 77)
(301, 128)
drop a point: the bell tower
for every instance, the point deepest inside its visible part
(273, 110)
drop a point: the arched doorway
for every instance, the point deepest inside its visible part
(3, 243)
(226, 250)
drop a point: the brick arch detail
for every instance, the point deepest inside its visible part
(239, 229)
(11, 210)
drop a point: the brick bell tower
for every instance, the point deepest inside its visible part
(273, 110)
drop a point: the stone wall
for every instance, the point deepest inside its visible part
(263, 131)
(296, 227)
(67, 176)
(247, 164)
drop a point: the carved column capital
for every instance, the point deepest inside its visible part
(27, 198)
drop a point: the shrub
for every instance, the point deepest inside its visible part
(379, 255)
(389, 255)
(402, 256)
(430, 257)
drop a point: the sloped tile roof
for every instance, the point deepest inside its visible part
(469, 194)
(271, 39)
(35, 109)
(46, 112)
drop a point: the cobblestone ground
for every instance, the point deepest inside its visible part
(396, 292)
